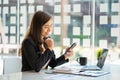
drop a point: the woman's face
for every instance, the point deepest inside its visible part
(46, 28)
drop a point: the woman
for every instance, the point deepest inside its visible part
(37, 47)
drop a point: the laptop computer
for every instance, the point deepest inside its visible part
(99, 64)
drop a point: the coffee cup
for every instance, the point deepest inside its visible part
(82, 60)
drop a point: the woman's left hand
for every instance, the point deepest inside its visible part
(68, 53)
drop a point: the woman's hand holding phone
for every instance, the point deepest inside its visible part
(69, 51)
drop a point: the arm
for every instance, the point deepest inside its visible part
(30, 55)
(62, 59)
(56, 62)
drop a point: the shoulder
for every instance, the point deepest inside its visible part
(28, 40)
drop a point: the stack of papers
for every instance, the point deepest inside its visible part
(84, 73)
(75, 69)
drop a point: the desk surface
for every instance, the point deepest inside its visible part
(113, 68)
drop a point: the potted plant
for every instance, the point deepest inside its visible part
(98, 53)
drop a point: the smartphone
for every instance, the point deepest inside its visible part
(72, 46)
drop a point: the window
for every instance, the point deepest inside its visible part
(92, 27)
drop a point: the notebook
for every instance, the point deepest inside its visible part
(99, 64)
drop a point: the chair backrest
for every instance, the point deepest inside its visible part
(1, 66)
(12, 65)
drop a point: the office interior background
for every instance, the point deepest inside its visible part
(93, 24)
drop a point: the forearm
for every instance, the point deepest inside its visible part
(59, 61)
(42, 60)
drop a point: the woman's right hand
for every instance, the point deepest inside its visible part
(68, 53)
(50, 43)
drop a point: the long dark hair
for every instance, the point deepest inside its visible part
(35, 29)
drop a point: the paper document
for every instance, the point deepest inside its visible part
(84, 73)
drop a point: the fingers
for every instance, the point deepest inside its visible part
(68, 49)
(50, 43)
(68, 54)
(46, 38)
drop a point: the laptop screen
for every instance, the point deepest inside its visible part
(101, 60)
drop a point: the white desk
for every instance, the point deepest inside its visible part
(114, 75)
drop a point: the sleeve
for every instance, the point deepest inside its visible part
(35, 61)
(56, 62)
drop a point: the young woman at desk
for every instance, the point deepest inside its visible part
(37, 47)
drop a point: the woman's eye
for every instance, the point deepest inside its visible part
(46, 27)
